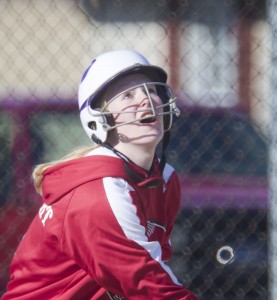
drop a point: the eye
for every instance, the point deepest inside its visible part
(152, 90)
(127, 95)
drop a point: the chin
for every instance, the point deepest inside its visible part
(148, 140)
(137, 136)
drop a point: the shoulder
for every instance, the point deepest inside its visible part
(97, 191)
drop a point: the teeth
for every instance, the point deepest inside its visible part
(147, 115)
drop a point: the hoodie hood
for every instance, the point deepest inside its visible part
(64, 177)
(61, 179)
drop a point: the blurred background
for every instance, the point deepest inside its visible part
(218, 57)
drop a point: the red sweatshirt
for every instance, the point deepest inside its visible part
(99, 235)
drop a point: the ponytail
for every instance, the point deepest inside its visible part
(39, 170)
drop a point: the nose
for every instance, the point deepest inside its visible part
(143, 96)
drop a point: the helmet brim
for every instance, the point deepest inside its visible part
(154, 73)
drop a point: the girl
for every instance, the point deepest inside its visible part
(103, 230)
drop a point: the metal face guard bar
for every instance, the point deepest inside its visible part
(170, 102)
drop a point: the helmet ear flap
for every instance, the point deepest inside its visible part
(95, 125)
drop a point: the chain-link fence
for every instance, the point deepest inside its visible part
(217, 54)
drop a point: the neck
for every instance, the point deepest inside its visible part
(141, 156)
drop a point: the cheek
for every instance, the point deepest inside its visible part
(123, 117)
(157, 100)
(127, 113)
(162, 123)
(158, 106)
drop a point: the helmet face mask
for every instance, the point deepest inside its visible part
(95, 116)
(167, 108)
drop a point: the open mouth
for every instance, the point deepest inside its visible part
(150, 119)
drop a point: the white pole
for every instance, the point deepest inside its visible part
(272, 209)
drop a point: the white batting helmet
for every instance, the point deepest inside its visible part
(103, 70)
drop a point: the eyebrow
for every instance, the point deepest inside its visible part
(123, 86)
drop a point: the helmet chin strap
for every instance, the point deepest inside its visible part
(165, 143)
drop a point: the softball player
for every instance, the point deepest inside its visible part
(108, 210)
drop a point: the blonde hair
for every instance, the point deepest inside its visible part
(39, 170)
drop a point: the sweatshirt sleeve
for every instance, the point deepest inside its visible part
(105, 236)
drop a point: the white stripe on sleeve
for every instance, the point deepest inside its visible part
(117, 192)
